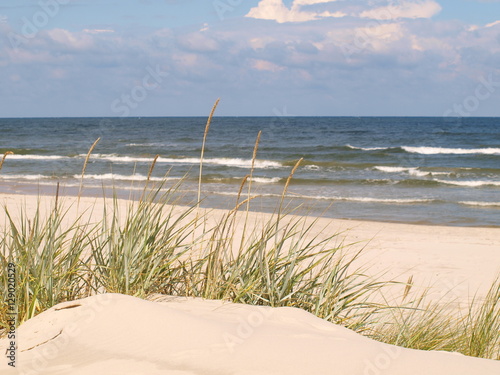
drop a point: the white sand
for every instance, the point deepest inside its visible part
(117, 334)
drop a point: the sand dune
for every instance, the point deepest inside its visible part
(117, 334)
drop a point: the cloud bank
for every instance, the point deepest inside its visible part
(314, 57)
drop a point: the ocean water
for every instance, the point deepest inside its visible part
(417, 170)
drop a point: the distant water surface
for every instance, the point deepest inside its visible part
(416, 170)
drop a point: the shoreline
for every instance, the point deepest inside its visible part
(126, 193)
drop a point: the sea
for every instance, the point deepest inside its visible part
(422, 170)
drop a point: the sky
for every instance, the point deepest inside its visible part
(93, 58)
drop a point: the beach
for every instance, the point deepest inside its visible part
(113, 333)
(452, 261)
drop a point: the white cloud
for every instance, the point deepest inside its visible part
(419, 63)
(300, 10)
(198, 42)
(264, 65)
(404, 9)
(311, 2)
(98, 31)
(277, 11)
(69, 39)
(493, 24)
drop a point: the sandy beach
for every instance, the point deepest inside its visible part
(117, 334)
(455, 262)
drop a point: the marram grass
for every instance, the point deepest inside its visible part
(148, 248)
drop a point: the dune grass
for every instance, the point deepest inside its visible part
(149, 248)
(155, 246)
(424, 325)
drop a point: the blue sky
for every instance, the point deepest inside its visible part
(261, 57)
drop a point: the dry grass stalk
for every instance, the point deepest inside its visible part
(150, 172)
(236, 208)
(242, 185)
(254, 156)
(409, 285)
(207, 127)
(57, 196)
(5, 156)
(290, 176)
(85, 166)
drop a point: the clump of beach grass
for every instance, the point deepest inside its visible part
(473, 330)
(153, 246)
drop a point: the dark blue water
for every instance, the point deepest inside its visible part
(419, 170)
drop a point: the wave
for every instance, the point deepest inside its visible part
(457, 151)
(392, 169)
(152, 144)
(35, 157)
(415, 172)
(388, 200)
(368, 148)
(259, 180)
(349, 199)
(32, 177)
(425, 150)
(266, 180)
(118, 177)
(480, 204)
(469, 183)
(372, 200)
(312, 167)
(411, 171)
(229, 162)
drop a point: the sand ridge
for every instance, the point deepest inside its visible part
(117, 334)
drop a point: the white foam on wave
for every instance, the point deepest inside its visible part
(349, 199)
(386, 200)
(266, 180)
(120, 159)
(457, 151)
(441, 173)
(312, 167)
(31, 177)
(367, 148)
(411, 171)
(480, 204)
(118, 177)
(424, 150)
(230, 162)
(470, 183)
(392, 169)
(152, 144)
(415, 172)
(35, 157)
(371, 200)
